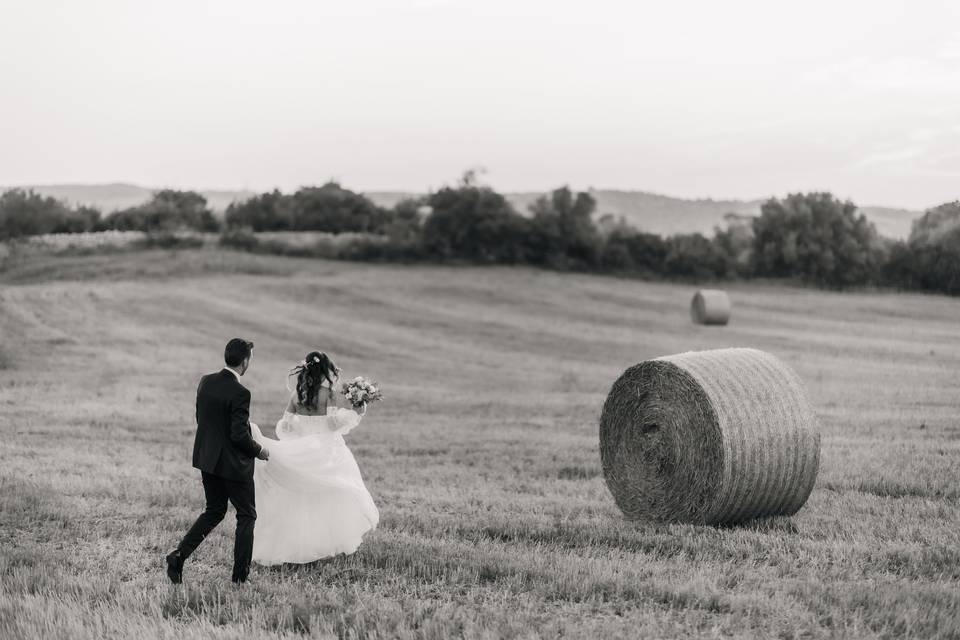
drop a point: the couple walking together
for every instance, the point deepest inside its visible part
(298, 498)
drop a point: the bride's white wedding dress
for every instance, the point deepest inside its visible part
(311, 500)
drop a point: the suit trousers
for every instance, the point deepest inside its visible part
(219, 490)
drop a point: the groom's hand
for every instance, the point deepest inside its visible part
(264, 454)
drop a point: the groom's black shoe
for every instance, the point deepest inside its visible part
(175, 567)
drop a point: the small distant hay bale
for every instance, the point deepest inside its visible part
(709, 437)
(710, 306)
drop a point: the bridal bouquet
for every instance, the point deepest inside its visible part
(360, 391)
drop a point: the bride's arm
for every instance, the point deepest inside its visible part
(332, 399)
(343, 421)
(292, 404)
(284, 427)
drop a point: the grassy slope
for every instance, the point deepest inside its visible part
(495, 520)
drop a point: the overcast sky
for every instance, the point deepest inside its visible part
(740, 98)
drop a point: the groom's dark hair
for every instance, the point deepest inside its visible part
(237, 351)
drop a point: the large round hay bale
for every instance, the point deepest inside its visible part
(710, 306)
(709, 437)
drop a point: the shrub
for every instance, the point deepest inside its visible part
(271, 211)
(333, 209)
(405, 227)
(171, 240)
(310, 244)
(168, 210)
(87, 242)
(26, 213)
(242, 239)
(329, 208)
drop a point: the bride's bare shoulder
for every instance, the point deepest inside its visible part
(298, 409)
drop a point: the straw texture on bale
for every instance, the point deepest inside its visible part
(710, 306)
(709, 437)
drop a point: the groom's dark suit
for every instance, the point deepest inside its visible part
(224, 451)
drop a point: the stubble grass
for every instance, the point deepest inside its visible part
(483, 459)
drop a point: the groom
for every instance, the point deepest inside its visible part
(224, 451)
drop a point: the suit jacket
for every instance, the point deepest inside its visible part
(223, 445)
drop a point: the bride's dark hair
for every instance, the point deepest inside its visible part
(316, 368)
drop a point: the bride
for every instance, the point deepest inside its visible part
(311, 500)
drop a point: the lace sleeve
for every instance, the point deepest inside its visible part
(285, 427)
(343, 421)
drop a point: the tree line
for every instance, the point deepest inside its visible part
(814, 238)
(27, 213)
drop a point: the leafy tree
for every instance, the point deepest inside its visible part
(563, 232)
(167, 210)
(735, 242)
(329, 208)
(693, 255)
(935, 222)
(930, 260)
(270, 211)
(938, 265)
(406, 221)
(627, 249)
(927, 266)
(475, 223)
(334, 209)
(26, 213)
(817, 238)
(81, 220)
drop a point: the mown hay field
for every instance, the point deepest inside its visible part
(483, 459)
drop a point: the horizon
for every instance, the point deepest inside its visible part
(693, 99)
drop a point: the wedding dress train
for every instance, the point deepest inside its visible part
(311, 500)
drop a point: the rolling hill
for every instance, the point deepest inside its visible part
(667, 215)
(647, 211)
(119, 195)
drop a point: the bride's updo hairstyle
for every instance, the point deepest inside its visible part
(317, 367)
